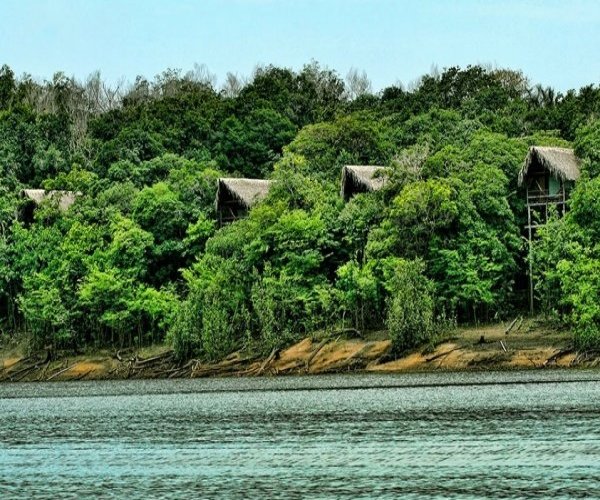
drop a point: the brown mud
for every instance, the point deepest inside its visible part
(530, 346)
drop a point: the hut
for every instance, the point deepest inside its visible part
(35, 197)
(548, 175)
(362, 179)
(235, 197)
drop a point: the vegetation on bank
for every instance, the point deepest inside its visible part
(138, 258)
(530, 344)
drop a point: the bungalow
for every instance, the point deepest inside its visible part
(235, 197)
(35, 197)
(362, 179)
(548, 175)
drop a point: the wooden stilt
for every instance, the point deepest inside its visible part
(530, 258)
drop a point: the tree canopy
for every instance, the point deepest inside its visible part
(139, 258)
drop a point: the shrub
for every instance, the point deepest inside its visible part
(286, 307)
(358, 295)
(580, 279)
(214, 318)
(410, 309)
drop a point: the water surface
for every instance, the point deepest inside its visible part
(492, 435)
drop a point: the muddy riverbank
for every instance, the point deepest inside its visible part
(478, 348)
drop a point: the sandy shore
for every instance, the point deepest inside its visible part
(478, 348)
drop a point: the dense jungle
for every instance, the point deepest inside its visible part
(139, 258)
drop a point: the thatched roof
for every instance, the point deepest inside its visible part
(365, 177)
(246, 191)
(65, 198)
(560, 162)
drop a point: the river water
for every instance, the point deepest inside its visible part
(492, 435)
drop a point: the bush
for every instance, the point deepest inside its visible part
(184, 335)
(214, 319)
(286, 307)
(46, 317)
(587, 146)
(410, 310)
(357, 292)
(580, 279)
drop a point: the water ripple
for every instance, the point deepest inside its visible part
(380, 437)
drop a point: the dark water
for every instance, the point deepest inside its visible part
(516, 435)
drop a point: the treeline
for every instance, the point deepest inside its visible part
(139, 259)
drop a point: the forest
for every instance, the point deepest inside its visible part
(139, 258)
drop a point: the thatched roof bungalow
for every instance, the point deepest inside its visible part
(235, 197)
(548, 174)
(547, 170)
(35, 197)
(362, 179)
(64, 198)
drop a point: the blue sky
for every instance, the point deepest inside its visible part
(553, 42)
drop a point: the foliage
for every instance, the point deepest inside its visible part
(410, 315)
(568, 254)
(214, 318)
(357, 138)
(138, 258)
(359, 294)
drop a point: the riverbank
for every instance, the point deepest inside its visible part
(528, 345)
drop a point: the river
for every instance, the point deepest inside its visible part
(480, 435)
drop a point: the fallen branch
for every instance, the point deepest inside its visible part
(11, 375)
(252, 370)
(83, 375)
(60, 371)
(24, 374)
(315, 352)
(215, 370)
(9, 369)
(559, 354)
(162, 356)
(267, 361)
(43, 374)
(442, 354)
(519, 324)
(297, 366)
(510, 327)
(121, 352)
(179, 372)
(348, 363)
(584, 357)
(189, 364)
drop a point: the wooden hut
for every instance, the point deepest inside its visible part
(235, 197)
(35, 197)
(362, 179)
(548, 175)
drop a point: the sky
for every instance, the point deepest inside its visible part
(553, 42)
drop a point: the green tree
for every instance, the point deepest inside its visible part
(410, 317)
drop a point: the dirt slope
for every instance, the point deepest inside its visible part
(482, 348)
